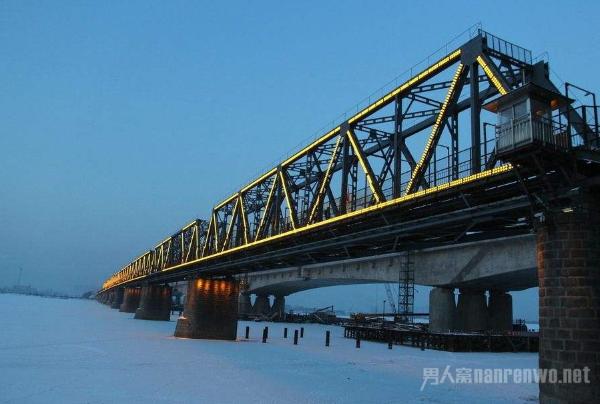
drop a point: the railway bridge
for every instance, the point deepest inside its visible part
(478, 145)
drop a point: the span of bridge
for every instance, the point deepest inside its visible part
(421, 167)
(507, 264)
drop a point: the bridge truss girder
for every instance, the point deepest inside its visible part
(354, 173)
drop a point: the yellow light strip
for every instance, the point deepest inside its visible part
(393, 202)
(208, 232)
(197, 235)
(488, 71)
(423, 75)
(182, 241)
(228, 233)
(366, 167)
(318, 142)
(259, 180)
(216, 230)
(377, 104)
(187, 256)
(166, 256)
(288, 199)
(268, 204)
(435, 131)
(162, 242)
(416, 79)
(187, 226)
(326, 179)
(244, 219)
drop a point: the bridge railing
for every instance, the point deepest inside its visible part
(441, 170)
(585, 132)
(528, 129)
(507, 48)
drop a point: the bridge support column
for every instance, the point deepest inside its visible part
(131, 300)
(245, 304)
(278, 308)
(568, 255)
(442, 310)
(109, 298)
(211, 310)
(500, 311)
(472, 314)
(117, 298)
(155, 303)
(261, 305)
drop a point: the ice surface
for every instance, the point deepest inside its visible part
(76, 351)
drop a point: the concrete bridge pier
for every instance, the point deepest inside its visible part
(568, 255)
(500, 311)
(155, 303)
(442, 310)
(472, 313)
(117, 298)
(245, 304)
(131, 300)
(261, 305)
(278, 306)
(211, 310)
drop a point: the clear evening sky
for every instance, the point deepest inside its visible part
(121, 121)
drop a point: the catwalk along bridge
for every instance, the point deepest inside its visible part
(478, 145)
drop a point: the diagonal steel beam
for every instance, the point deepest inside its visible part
(244, 218)
(325, 180)
(234, 214)
(366, 166)
(288, 197)
(494, 75)
(267, 209)
(436, 130)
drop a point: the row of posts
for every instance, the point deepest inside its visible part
(300, 334)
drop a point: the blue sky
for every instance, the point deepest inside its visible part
(121, 121)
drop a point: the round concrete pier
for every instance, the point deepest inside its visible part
(245, 304)
(278, 308)
(442, 310)
(155, 303)
(472, 314)
(211, 310)
(500, 311)
(117, 298)
(261, 305)
(131, 300)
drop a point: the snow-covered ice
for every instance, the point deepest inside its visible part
(76, 351)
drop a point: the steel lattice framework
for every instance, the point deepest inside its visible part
(381, 167)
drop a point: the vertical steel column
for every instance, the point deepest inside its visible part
(475, 120)
(277, 207)
(397, 153)
(310, 158)
(345, 168)
(454, 135)
(354, 184)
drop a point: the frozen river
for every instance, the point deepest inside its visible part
(75, 351)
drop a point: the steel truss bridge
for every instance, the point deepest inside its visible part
(412, 169)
